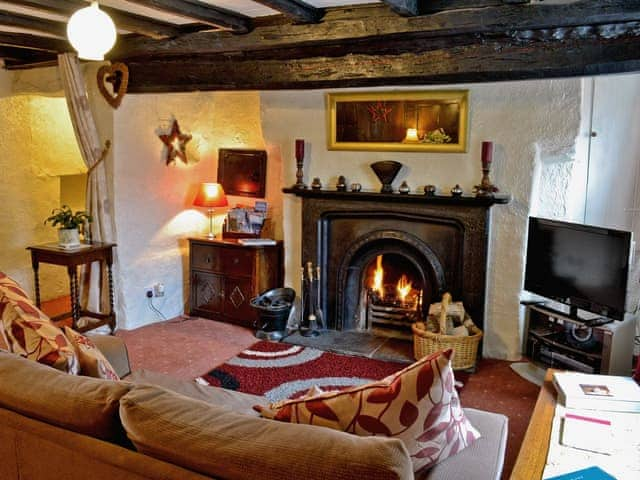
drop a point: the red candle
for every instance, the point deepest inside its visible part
(487, 154)
(299, 149)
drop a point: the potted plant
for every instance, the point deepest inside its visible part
(68, 233)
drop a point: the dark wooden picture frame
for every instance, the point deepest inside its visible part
(242, 171)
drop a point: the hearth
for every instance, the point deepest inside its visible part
(386, 257)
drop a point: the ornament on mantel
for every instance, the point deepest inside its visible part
(176, 143)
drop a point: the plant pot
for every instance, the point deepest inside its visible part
(68, 237)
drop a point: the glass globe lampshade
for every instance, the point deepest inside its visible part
(91, 32)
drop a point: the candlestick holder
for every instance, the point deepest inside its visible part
(486, 188)
(299, 165)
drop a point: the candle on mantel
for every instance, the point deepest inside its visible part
(299, 149)
(487, 154)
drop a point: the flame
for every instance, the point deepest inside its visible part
(378, 275)
(403, 288)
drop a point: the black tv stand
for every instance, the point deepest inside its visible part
(560, 340)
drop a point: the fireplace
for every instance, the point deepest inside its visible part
(424, 245)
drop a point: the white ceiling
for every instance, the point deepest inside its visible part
(245, 7)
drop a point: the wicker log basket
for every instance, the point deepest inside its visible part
(427, 339)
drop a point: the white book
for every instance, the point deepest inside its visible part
(597, 392)
(256, 241)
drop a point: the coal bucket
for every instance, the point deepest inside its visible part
(274, 307)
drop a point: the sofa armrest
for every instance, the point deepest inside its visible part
(115, 350)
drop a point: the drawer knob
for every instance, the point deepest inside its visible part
(236, 261)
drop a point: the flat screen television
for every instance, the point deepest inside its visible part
(583, 266)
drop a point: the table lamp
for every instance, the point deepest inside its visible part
(210, 195)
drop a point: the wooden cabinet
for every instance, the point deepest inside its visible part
(226, 275)
(554, 339)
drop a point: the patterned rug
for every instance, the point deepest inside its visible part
(281, 370)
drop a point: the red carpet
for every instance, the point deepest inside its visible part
(280, 370)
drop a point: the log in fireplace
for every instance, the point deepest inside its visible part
(385, 257)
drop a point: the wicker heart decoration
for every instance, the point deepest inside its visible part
(117, 75)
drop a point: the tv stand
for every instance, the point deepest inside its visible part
(561, 340)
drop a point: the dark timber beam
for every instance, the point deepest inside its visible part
(607, 49)
(22, 55)
(201, 12)
(348, 25)
(127, 21)
(34, 42)
(407, 8)
(295, 9)
(28, 22)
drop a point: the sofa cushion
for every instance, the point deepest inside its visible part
(30, 333)
(418, 405)
(233, 401)
(212, 440)
(92, 362)
(81, 404)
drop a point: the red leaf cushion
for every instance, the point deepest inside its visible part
(28, 332)
(419, 405)
(92, 362)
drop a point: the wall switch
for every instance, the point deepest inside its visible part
(158, 290)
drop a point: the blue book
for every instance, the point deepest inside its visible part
(591, 473)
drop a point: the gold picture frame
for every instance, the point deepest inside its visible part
(399, 121)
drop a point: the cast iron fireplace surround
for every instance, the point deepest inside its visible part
(445, 237)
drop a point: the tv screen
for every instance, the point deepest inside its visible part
(582, 266)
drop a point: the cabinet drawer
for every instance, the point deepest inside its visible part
(205, 257)
(238, 262)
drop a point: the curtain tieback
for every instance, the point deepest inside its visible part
(105, 150)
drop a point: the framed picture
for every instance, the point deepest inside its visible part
(411, 121)
(242, 172)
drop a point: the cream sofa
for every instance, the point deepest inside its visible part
(54, 425)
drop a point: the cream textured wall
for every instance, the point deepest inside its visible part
(534, 126)
(153, 201)
(36, 146)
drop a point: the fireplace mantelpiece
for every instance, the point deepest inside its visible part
(334, 222)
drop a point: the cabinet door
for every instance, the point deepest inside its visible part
(206, 257)
(237, 301)
(206, 293)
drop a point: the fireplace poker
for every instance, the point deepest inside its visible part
(319, 314)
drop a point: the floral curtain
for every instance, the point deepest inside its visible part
(97, 195)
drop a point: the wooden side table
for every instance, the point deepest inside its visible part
(532, 457)
(72, 258)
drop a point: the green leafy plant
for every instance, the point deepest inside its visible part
(65, 217)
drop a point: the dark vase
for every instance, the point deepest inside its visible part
(386, 171)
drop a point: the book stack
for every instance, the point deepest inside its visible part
(597, 392)
(594, 404)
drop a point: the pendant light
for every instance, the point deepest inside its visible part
(91, 32)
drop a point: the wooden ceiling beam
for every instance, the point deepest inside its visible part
(22, 55)
(496, 60)
(34, 42)
(12, 19)
(127, 21)
(201, 12)
(295, 9)
(346, 25)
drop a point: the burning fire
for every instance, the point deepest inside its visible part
(378, 275)
(403, 288)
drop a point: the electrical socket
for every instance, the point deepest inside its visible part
(158, 290)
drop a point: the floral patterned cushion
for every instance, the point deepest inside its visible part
(419, 405)
(92, 362)
(28, 332)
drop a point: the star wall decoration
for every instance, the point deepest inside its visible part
(175, 143)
